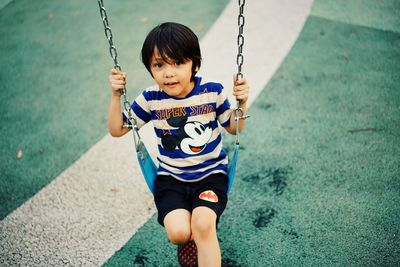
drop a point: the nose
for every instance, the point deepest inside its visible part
(169, 71)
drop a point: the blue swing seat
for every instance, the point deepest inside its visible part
(149, 169)
(232, 167)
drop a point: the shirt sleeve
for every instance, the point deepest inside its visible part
(223, 108)
(140, 111)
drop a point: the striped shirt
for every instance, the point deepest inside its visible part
(188, 133)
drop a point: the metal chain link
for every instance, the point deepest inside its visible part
(114, 55)
(240, 39)
(239, 113)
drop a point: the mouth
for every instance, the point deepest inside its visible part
(196, 149)
(170, 84)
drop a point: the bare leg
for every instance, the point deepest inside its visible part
(177, 226)
(205, 235)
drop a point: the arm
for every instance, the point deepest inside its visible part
(241, 92)
(117, 81)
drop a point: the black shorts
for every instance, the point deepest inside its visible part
(171, 194)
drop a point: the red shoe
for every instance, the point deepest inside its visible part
(187, 254)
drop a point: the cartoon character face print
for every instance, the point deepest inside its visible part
(198, 136)
(190, 137)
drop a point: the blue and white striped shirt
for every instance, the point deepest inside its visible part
(188, 135)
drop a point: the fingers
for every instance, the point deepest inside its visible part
(117, 79)
(117, 75)
(240, 88)
(238, 80)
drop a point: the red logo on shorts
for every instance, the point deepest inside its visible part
(209, 196)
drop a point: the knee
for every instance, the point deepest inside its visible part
(177, 226)
(178, 235)
(203, 227)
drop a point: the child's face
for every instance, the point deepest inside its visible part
(172, 77)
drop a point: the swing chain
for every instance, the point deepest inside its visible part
(240, 39)
(109, 35)
(114, 55)
(238, 112)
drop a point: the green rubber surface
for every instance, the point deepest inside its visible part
(382, 15)
(318, 177)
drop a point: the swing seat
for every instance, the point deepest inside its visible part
(149, 169)
(232, 167)
(147, 165)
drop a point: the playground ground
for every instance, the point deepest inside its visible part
(318, 179)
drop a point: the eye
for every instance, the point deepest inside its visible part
(193, 129)
(157, 65)
(197, 131)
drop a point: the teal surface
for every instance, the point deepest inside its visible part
(54, 66)
(318, 180)
(383, 14)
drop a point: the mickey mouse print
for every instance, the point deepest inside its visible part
(191, 137)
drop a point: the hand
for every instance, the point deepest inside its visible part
(117, 81)
(240, 89)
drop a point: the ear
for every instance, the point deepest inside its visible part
(169, 142)
(177, 121)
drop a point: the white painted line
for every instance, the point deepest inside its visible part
(83, 216)
(3, 3)
(94, 207)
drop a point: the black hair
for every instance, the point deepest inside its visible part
(175, 42)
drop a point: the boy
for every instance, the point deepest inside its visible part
(191, 186)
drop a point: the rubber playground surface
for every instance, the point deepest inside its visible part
(318, 177)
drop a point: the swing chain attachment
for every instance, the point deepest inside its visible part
(238, 112)
(114, 55)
